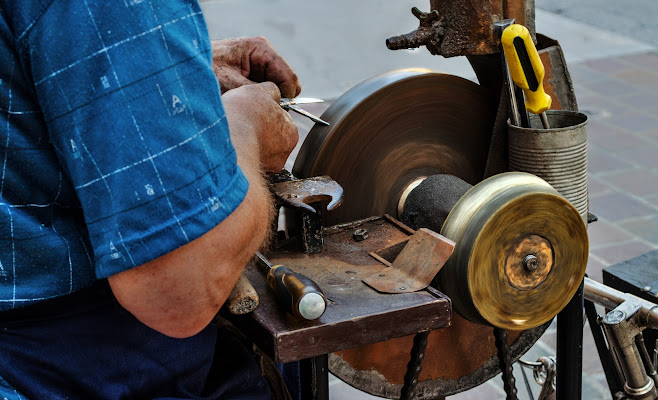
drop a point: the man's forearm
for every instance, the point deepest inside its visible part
(179, 293)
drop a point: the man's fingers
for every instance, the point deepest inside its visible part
(242, 61)
(290, 89)
(268, 65)
(229, 78)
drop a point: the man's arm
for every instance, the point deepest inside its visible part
(179, 293)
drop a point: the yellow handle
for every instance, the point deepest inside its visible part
(526, 67)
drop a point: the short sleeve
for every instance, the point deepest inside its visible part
(135, 115)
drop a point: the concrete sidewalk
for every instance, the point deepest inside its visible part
(336, 45)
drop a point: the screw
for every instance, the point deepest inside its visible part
(360, 234)
(402, 288)
(530, 262)
(614, 317)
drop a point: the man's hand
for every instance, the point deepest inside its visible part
(244, 61)
(257, 105)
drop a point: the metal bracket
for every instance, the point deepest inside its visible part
(416, 265)
(309, 197)
(622, 326)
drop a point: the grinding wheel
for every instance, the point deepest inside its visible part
(520, 255)
(385, 134)
(390, 130)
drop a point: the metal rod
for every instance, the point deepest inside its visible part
(264, 260)
(610, 298)
(513, 105)
(638, 383)
(520, 99)
(544, 120)
(527, 384)
(570, 349)
(608, 364)
(646, 358)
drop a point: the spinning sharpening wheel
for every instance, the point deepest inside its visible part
(390, 130)
(520, 255)
(387, 133)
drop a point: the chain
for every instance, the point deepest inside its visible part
(414, 366)
(505, 363)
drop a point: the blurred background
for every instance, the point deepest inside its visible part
(611, 53)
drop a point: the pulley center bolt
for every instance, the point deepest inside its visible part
(531, 262)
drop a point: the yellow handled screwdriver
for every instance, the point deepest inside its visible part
(297, 293)
(527, 69)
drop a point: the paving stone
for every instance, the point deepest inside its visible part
(610, 65)
(597, 125)
(591, 361)
(638, 77)
(638, 101)
(596, 186)
(645, 60)
(634, 121)
(581, 73)
(602, 232)
(581, 91)
(489, 390)
(651, 135)
(646, 228)
(610, 87)
(595, 268)
(595, 386)
(645, 157)
(614, 254)
(600, 160)
(618, 206)
(599, 107)
(613, 138)
(339, 390)
(639, 182)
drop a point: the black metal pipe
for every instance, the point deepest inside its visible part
(570, 349)
(314, 378)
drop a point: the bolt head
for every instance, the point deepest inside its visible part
(531, 262)
(360, 234)
(614, 317)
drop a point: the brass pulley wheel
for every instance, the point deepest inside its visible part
(520, 255)
(385, 134)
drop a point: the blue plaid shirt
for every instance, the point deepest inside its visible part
(114, 146)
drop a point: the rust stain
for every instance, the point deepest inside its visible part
(451, 353)
(549, 88)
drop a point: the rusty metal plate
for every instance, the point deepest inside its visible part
(356, 314)
(457, 358)
(417, 264)
(385, 133)
(557, 80)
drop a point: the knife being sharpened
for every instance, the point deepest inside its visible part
(292, 104)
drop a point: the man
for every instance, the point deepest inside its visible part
(126, 211)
